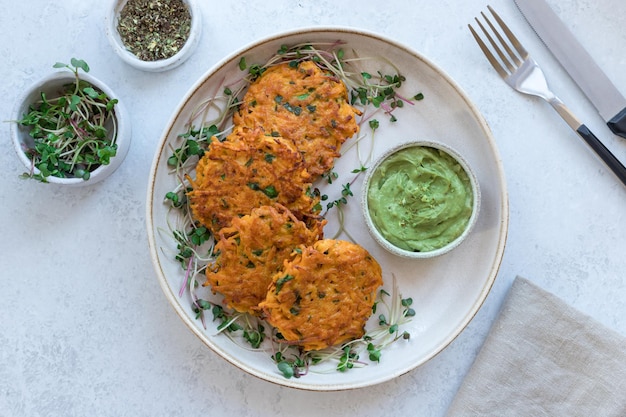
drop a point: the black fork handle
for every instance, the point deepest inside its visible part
(603, 152)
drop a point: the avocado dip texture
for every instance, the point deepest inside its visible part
(420, 198)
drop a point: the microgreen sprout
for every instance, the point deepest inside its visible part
(73, 133)
(347, 359)
(343, 200)
(330, 176)
(339, 203)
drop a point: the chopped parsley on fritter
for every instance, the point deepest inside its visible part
(324, 295)
(248, 171)
(252, 250)
(304, 104)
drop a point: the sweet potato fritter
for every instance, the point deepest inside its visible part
(247, 171)
(252, 250)
(303, 104)
(253, 192)
(323, 296)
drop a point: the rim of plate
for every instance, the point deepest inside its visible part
(301, 382)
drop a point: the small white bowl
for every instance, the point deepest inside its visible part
(376, 234)
(163, 64)
(52, 85)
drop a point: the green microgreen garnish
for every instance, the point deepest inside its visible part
(343, 200)
(74, 132)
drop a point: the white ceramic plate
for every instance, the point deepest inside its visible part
(447, 291)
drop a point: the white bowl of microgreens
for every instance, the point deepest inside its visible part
(68, 128)
(154, 35)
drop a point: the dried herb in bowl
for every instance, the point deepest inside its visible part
(154, 29)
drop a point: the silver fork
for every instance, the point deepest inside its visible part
(521, 72)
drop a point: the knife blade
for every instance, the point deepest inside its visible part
(598, 88)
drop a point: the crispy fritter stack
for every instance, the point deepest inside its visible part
(254, 192)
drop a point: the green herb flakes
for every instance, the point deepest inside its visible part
(154, 29)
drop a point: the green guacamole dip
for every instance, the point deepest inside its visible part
(420, 199)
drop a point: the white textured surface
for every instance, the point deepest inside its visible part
(85, 328)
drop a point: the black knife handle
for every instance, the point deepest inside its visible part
(598, 147)
(618, 123)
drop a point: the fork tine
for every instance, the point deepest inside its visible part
(511, 55)
(518, 46)
(492, 59)
(503, 58)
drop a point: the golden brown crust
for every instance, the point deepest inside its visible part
(252, 250)
(246, 171)
(323, 296)
(305, 105)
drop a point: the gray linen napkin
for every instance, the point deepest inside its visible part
(544, 358)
